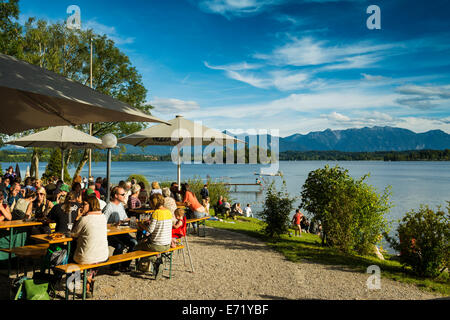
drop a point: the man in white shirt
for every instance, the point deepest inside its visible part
(114, 214)
(248, 211)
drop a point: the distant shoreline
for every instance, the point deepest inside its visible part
(411, 155)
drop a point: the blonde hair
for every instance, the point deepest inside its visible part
(42, 190)
(155, 185)
(135, 188)
(157, 200)
(166, 192)
(179, 212)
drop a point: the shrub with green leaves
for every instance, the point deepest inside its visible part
(215, 188)
(276, 210)
(140, 178)
(352, 213)
(423, 240)
(54, 167)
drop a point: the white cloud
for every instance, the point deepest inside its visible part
(237, 7)
(355, 62)
(283, 80)
(308, 51)
(234, 67)
(427, 91)
(173, 106)
(249, 79)
(110, 32)
(420, 124)
(360, 119)
(424, 97)
(334, 116)
(370, 77)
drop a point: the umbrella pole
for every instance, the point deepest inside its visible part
(108, 175)
(62, 164)
(179, 169)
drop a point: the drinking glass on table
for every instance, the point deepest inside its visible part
(69, 228)
(133, 223)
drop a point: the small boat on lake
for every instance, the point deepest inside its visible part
(271, 174)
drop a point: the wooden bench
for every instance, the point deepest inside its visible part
(27, 252)
(35, 250)
(73, 267)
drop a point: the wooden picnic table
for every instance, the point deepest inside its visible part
(203, 220)
(144, 210)
(18, 223)
(112, 231)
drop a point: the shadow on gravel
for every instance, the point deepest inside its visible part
(273, 297)
(230, 242)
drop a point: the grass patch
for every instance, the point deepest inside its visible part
(308, 247)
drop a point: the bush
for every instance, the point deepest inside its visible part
(423, 240)
(276, 211)
(351, 212)
(216, 189)
(54, 167)
(140, 178)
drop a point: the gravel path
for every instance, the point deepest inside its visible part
(233, 266)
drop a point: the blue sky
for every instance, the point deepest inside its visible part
(293, 65)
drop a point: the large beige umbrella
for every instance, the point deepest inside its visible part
(32, 97)
(182, 130)
(62, 137)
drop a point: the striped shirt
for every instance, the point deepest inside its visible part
(160, 227)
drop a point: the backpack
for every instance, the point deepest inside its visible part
(57, 257)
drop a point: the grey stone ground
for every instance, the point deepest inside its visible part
(233, 266)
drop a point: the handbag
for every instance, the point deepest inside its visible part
(36, 289)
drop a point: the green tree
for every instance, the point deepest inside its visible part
(140, 178)
(10, 34)
(317, 192)
(422, 238)
(54, 167)
(67, 52)
(113, 75)
(352, 213)
(276, 210)
(10, 30)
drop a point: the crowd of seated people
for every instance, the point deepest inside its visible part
(224, 209)
(81, 210)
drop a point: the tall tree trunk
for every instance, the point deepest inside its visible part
(67, 160)
(34, 167)
(83, 161)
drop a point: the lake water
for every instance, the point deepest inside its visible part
(413, 183)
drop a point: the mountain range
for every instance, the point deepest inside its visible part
(350, 140)
(366, 140)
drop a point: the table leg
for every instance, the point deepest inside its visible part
(68, 250)
(170, 270)
(11, 234)
(84, 284)
(204, 228)
(67, 286)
